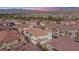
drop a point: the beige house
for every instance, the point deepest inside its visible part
(37, 35)
(65, 30)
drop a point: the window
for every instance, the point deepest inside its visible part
(0, 45)
(19, 40)
(24, 43)
(10, 29)
(54, 49)
(30, 34)
(8, 49)
(69, 33)
(27, 32)
(1, 29)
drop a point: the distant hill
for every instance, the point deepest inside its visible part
(38, 12)
(15, 11)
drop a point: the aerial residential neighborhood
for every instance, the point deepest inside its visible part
(37, 30)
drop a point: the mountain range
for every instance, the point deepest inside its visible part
(39, 12)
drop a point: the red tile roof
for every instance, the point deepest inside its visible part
(64, 44)
(3, 22)
(7, 36)
(29, 47)
(37, 32)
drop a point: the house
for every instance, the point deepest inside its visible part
(49, 25)
(9, 38)
(4, 25)
(29, 47)
(7, 23)
(21, 27)
(65, 30)
(16, 21)
(61, 44)
(33, 22)
(37, 35)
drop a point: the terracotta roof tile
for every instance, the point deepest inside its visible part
(37, 31)
(64, 44)
(7, 36)
(29, 47)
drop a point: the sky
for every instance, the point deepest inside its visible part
(42, 8)
(52, 8)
